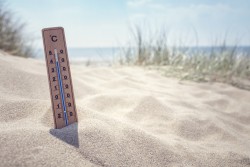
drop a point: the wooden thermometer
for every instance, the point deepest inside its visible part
(61, 88)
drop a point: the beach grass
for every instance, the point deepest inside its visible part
(12, 36)
(221, 63)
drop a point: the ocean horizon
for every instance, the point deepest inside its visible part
(113, 53)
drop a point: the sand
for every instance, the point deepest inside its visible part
(128, 116)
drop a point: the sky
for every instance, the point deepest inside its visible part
(108, 23)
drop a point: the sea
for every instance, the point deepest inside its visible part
(110, 54)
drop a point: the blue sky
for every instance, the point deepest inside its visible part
(105, 23)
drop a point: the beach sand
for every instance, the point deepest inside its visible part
(128, 116)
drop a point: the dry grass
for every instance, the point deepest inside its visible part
(11, 34)
(221, 63)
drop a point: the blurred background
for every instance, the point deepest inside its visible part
(93, 23)
(106, 24)
(201, 36)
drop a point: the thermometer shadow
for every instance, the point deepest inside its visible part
(68, 134)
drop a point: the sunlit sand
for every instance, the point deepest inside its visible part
(128, 116)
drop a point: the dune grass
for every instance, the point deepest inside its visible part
(221, 63)
(12, 38)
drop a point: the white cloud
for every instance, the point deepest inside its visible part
(179, 14)
(183, 20)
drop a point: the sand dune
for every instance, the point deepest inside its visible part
(128, 116)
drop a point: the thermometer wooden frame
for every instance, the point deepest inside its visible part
(59, 77)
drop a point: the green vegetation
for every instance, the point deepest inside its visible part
(222, 63)
(11, 34)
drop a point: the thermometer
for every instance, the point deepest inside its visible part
(60, 83)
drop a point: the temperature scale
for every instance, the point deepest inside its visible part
(61, 88)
